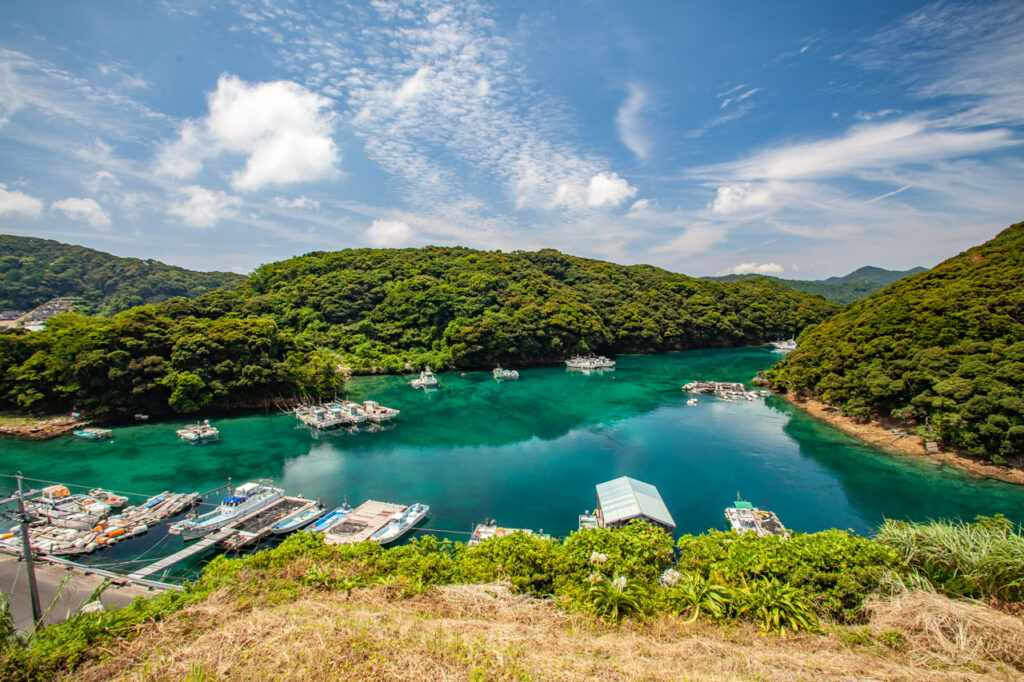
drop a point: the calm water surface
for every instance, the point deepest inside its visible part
(529, 454)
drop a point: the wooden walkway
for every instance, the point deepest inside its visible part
(195, 548)
(362, 522)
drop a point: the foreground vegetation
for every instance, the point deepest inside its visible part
(289, 328)
(32, 271)
(812, 583)
(942, 352)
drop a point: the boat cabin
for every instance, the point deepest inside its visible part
(623, 499)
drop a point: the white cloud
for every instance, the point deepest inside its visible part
(14, 201)
(415, 86)
(629, 124)
(868, 146)
(754, 269)
(282, 128)
(302, 202)
(87, 210)
(741, 196)
(694, 239)
(94, 183)
(608, 189)
(872, 115)
(388, 233)
(201, 207)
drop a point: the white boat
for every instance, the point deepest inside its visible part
(377, 413)
(247, 498)
(198, 432)
(746, 518)
(93, 434)
(426, 380)
(784, 346)
(139, 417)
(590, 362)
(300, 520)
(691, 402)
(505, 374)
(108, 497)
(400, 524)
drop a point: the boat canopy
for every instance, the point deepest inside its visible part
(743, 504)
(626, 498)
(232, 499)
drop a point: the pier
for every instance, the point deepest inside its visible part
(256, 527)
(185, 553)
(362, 522)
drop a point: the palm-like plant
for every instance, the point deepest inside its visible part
(695, 595)
(614, 599)
(778, 607)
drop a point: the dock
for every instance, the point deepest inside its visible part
(256, 527)
(185, 553)
(362, 522)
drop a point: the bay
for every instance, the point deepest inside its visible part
(529, 453)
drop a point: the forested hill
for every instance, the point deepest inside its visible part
(284, 332)
(942, 351)
(859, 284)
(32, 271)
(466, 308)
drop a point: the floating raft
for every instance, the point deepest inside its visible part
(362, 522)
(256, 527)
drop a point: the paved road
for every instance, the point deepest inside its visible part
(14, 583)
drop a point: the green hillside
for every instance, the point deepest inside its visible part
(285, 331)
(942, 351)
(32, 271)
(859, 284)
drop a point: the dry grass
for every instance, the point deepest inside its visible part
(952, 632)
(483, 632)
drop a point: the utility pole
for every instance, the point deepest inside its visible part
(26, 551)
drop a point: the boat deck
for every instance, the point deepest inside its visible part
(362, 522)
(254, 528)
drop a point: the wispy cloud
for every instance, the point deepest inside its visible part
(629, 122)
(87, 210)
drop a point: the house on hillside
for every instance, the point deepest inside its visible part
(621, 500)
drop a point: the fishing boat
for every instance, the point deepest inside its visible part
(400, 524)
(92, 434)
(377, 413)
(107, 497)
(198, 432)
(691, 402)
(426, 380)
(588, 520)
(300, 520)
(746, 518)
(784, 346)
(505, 374)
(247, 498)
(332, 517)
(490, 529)
(139, 417)
(590, 362)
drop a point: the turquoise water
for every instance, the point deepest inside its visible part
(529, 454)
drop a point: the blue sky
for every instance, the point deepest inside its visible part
(791, 138)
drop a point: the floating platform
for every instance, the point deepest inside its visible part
(256, 527)
(362, 522)
(487, 531)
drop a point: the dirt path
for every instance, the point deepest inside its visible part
(883, 438)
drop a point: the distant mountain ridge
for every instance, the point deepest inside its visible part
(33, 270)
(859, 284)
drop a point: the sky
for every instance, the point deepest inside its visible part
(795, 139)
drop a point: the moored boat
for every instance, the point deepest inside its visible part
(490, 529)
(247, 498)
(332, 517)
(784, 346)
(426, 380)
(400, 524)
(107, 497)
(505, 374)
(198, 432)
(746, 518)
(378, 413)
(297, 521)
(92, 434)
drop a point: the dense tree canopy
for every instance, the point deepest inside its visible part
(32, 271)
(942, 351)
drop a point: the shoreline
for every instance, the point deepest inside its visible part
(879, 436)
(28, 428)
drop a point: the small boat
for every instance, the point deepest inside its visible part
(107, 497)
(139, 417)
(198, 432)
(93, 434)
(505, 374)
(400, 524)
(300, 520)
(691, 402)
(490, 529)
(588, 520)
(426, 380)
(590, 362)
(746, 518)
(333, 517)
(247, 498)
(784, 346)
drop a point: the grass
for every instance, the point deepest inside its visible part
(477, 632)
